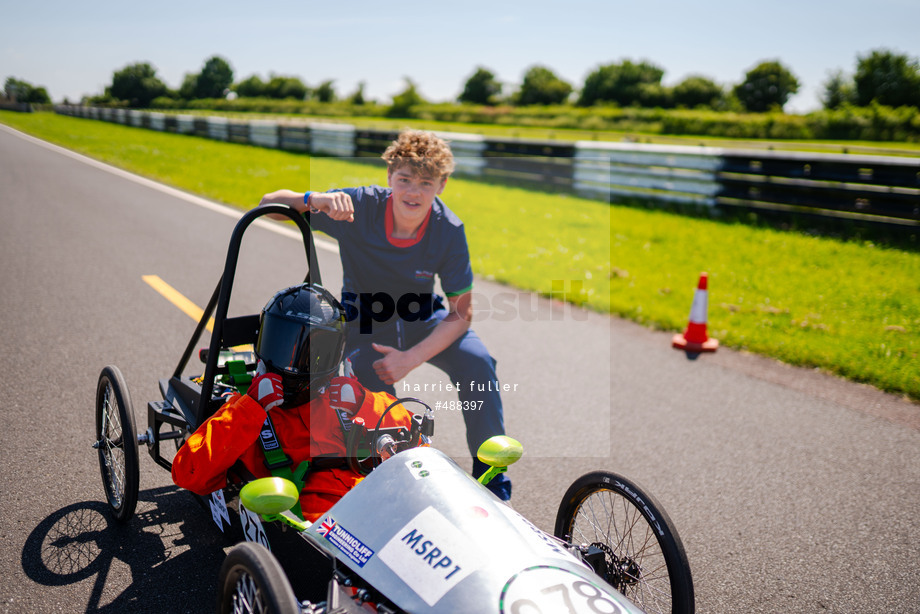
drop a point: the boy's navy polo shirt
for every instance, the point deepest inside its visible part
(371, 264)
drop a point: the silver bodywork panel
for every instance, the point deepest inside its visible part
(427, 535)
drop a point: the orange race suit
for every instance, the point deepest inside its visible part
(305, 432)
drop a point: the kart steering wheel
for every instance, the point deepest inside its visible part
(402, 438)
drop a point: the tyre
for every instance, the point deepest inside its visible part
(116, 443)
(252, 581)
(643, 557)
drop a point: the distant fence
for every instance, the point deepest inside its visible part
(882, 189)
(21, 107)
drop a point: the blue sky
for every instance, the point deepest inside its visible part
(72, 48)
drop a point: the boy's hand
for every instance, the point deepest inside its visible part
(267, 390)
(337, 205)
(394, 365)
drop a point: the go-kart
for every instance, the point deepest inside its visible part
(418, 533)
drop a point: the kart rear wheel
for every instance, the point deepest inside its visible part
(251, 581)
(116, 443)
(643, 557)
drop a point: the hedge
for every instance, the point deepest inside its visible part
(872, 123)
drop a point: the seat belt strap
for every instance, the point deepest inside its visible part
(279, 463)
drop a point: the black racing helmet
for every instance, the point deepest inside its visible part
(302, 338)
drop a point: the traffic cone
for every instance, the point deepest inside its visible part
(695, 340)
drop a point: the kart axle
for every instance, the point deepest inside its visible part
(148, 437)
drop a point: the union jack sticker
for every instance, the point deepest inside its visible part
(326, 526)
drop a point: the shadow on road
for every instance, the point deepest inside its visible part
(171, 549)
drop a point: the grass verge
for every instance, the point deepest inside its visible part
(851, 308)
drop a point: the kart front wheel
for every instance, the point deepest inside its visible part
(634, 544)
(251, 580)
(116, 443)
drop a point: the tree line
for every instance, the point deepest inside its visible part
(881, 77)
(17, 90)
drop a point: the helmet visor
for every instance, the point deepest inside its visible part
(299, 348)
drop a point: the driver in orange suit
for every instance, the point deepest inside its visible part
(300, 346)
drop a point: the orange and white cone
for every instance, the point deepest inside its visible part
(695, 340)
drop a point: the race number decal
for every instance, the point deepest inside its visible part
(551, 590)
(252, 527)
(219, 509)
(430, 554)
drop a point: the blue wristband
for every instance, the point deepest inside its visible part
(306, 199)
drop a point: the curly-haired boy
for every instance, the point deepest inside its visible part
(393, 242)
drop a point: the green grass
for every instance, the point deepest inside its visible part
(846, 307)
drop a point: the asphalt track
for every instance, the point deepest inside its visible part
(792, 490)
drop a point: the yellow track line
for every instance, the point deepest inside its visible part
(176, 298)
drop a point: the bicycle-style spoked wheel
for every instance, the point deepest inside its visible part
(252, 582)
(643, 555)
(116, 443)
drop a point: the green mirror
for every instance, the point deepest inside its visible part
(267, 496)
(500, 451)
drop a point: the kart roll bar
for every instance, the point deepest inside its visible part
(236, 331)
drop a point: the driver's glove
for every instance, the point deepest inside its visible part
(266, 388)
(345, 395)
